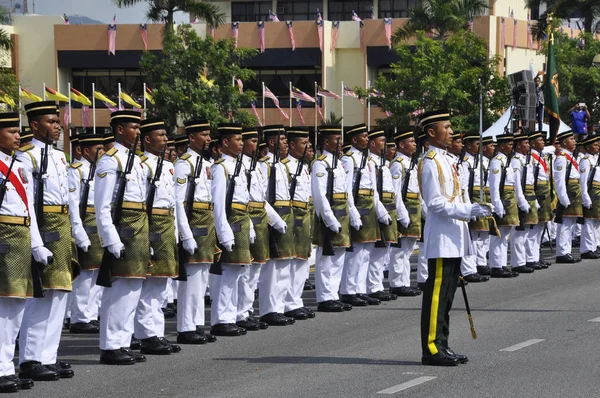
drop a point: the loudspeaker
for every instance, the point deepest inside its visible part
(523, 88)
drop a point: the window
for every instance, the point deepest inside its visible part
(299, 10)
(341, 10)
(395, 8)
(278, 81)
(107, 82)
(250, 11)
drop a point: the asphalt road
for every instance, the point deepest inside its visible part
(372, 351)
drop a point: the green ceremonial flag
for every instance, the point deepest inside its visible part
(551, 93)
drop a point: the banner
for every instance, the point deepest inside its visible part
(362, 36)
(320, 29)
(502, 34)
(235, 31)
(144, 33)
(388, 31)
(261, 35)
(112, 36)
(335, 30)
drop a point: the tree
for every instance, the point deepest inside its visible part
(565, 9)
(163, 11)
(438, 74)
(192, 78)
(440, 18)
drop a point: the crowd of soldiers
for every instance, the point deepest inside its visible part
(117, 234)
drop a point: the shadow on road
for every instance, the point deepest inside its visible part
(322, 360)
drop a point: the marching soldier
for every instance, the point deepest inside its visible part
(568, 190)
(590, 194)
(489, 150)
(76, 148)
(149, 324)
(422, 267)
(26, 136)
(196, 232)
(446, 237)
(86, 294)
(180, 142)
(43, 318)
(109, 141)
(127, 244)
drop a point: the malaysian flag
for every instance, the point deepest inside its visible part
(253, 106)
(291, 30)
(373, 92)
(318, 106)
(65, 19)
(335, 30)
(373, 13)
(85, 116)
(66, 116)
(112, 36)
(362, 36)
(269, 94)
(320, 29)
(471, 24)
(235, 31)
(144, 33)
(301, 95)
(529, 35)
(261, 35)
(240, 85)
(326, 93)
(355, 17)
(503, 33)
(273, 17)
(348, 92)
(388, 31)
(299, 109)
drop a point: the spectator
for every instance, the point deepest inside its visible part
(539, 98)
(579, 118)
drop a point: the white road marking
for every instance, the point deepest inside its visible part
(522, 345)
(594, 320)
(406, 385)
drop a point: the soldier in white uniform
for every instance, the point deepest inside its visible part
(43, 318)
(590, 194)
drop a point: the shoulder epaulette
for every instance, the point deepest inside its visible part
(322, 157)
(263, 159)
(399, 159)
(76, 165)
(26, 147)
(111, 152)
(143, 158)
(219, 161)
(185, 156)
(285, 161)
(349, 153)
(431, 154)
(586, 157)
(561, 154)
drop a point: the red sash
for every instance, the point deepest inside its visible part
(540, 161)
(14, 180)
(570, 159)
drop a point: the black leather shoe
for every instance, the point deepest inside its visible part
(116, 357)
(7, 384)
(370, 300)
(345, 306)
(382, 295)
(248, 325)
(297, 314)
(501, 273)
(136, 357)
(523, 270)
(135, 343)
(64, 373)
(36, 371)
(153, 346)
(261, 325)
(209, 337)
(174, 347)
(23, 384)
(330, 306)
(63, 365)
(405, 291)
(308, 285)
(567, 259)
(590, 255)
(191, 337)
(309, 313)
(353, 300)
(475, 278)
(461, 358)
(421, 285)
(227, 329)
(275, 319)
(536, 266)
(439, 359)
(84, 328)
(483, 270)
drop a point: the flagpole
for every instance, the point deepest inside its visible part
(144, 100)
(263, 99)
(291, 99)
(316, 105)
(480, 142)
(70, 108)
(94, 106)
(119, 99)
(20, 103)
(44, 91)
(369, 105)
(342, 111)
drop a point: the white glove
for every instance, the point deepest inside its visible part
(525, 208)
(280, 226)
(252, 235)
(229, 245)
(404, 221)
(115, 249)
(190, 246)
(537, 205)
(387, 220)
(566, 204)
(478, 210)
(42, 255)
(356, 224)
(336, 227)
(85, 245)
(151, 252)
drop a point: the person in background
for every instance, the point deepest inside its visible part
(579, 118)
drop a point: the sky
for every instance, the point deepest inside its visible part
(101, 10)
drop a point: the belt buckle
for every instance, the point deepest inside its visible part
(27, 222)
(64, 209)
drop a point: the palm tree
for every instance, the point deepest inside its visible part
(332, 120)
(6, 42)
(565, 9)
(440, 18)
(163, 10)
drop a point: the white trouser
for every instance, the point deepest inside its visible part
(299, 270)
(356, 264)
(273, 282)
(85, 297)
(422, 270)
(42, 327)
(564, 236)
(481, 242)
(518, 242)
(499, 248)
(552, 227)
(149, 318)
(172, 287)
(589, 241)
(190, 302)
(117, 311)
(375, 270)
(534, 240)
(224, 294)
(328, 274)
(11, 316)
(576, 231)
(399, 272)
(386, 261)
(246, 288)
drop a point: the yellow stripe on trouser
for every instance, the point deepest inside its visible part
(435, 302)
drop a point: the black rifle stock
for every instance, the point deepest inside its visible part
(328, 249)
(381, 242)
(521, 226)
(273, 247)
(294, 181)
(37, 268)
(105, 271)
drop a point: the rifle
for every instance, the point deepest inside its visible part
(105, 271)
(471, 184)
(521, 226)
(85, 193)
(328, 249)
(249, 172)
(36, 267)
(356, 186)
(503, 180)
(273, 247)
(590, 181)
(558, 217)
(294, 181)
(404, 188)
(5, 180)
(188, 209)
(155, 178)
(382, 241)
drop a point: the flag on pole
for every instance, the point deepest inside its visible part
(144, 33)
(240, 85)
(388, 31)
(326, 93)
(30, 96)
(355, 17)
(335, 30)
(235, 31)
(503, 33)
(269, 94)
(320, 29)
(85, 116)
(373, 92)
(529, 33)
(299, 109)
(149, 95)
(318, 106)
(301, 95)
(196, 20)
(54, 95)
(101, 97)
(79, 97)
(362, 36)
(373, 13)
(127, 98)
(291, 30)
(253, 105)
(514, 43)
(261, 35)
(66, 116)
(6, 99)
(212, 31)
(210, 83)
(65, 19)
(112, 36)
(551, 93)
(348, 92)
(273, 17)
